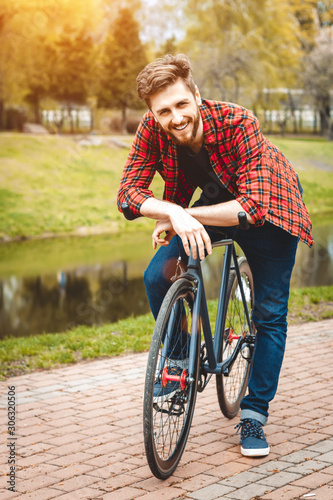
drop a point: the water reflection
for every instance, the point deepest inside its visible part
(314, 267)
(95, 294)
(53, 303)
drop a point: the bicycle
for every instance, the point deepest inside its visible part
(178, 357)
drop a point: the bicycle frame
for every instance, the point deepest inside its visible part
(200, 311)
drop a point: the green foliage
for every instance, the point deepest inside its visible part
(54, 48)
(123, 58)
(239, 49)
(73, 59)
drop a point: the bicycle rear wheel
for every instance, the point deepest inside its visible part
(231, 387)
(168, 417)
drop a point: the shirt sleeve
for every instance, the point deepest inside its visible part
(252, 177)
(140, 168)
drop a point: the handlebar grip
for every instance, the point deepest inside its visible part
(127, 212)
(243, 222)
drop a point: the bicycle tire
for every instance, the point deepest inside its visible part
(232, 387)
(166, 424)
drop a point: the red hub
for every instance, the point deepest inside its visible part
(174, 378)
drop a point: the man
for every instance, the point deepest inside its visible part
(218, 147)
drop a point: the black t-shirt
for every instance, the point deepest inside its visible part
(197, 168)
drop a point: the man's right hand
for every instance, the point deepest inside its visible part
(173, 219)
(191, 232)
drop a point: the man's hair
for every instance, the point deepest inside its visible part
(162, 72)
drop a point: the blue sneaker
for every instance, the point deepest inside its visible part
(252, 439)
(161, 393)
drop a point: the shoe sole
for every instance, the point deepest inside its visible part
(257, 452)
(161, 399)
(180, 363)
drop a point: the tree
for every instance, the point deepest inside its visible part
(9, 49)
(240, 48)
(123, 58)
(311, 16)
(31, 34)
(73, 58)
(318, 78)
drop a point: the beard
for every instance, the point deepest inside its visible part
(187, 141)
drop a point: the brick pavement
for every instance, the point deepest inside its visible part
(79, 434)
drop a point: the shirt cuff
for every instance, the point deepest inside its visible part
(136, 200)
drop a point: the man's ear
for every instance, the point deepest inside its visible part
(197, 96)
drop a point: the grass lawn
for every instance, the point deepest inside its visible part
(313, 160)
(52, 185)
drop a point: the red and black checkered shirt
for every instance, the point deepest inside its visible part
(247, 164)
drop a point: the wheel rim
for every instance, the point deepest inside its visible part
(167, 422)
(170, 417)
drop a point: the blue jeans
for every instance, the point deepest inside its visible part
(270, 252)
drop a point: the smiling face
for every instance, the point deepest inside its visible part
(177, 111)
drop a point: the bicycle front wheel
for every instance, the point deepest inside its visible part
(170, 393)
(231, 387)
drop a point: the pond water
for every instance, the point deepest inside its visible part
(52, 285)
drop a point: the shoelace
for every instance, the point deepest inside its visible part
(250, 427)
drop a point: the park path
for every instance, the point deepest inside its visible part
(79, 434)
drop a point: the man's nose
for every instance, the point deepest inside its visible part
(177, 118)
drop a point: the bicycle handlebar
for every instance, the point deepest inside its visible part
(127, 212)
(243, 222)
(242, 218)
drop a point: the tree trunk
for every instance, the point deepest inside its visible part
(2, 115)
(37, 113)
(293, 111)
(330, 130)
(324, 113)
(123, 119)
(70, 116)
(323, 122)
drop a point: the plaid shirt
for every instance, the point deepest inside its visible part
(247, 164)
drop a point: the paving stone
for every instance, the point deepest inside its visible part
(164, 494)
(324, 493)
(80, 434)
(300, 456)
(287, 492)
(248, 492)
(327, 457)
(280, 479)
(242, 479)
(211, 492)
(322, 446)
(307, 467)
(314, 480)
(271, 467)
